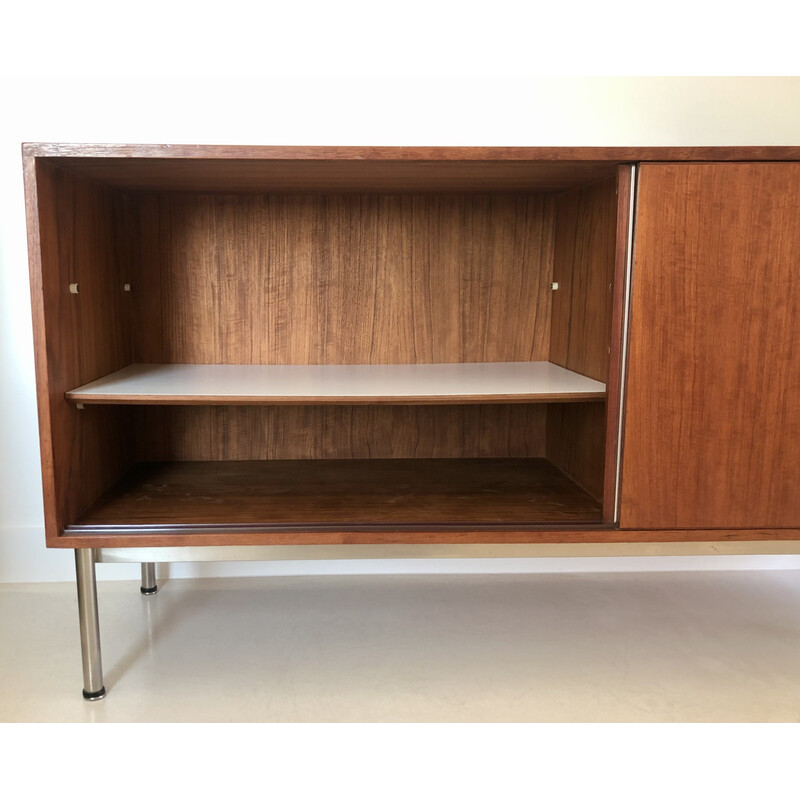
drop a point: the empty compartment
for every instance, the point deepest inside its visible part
(418, 349)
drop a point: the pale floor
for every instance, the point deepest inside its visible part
(716, 646)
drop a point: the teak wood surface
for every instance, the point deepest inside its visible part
(342, 279)
(584, 264)
(376, 492)
(77, 337)
(712, 433)
(212, 536)
(246, 433)
(366, 169)
(711, 410)
(623, 242)
(583, 267)
(411, 154)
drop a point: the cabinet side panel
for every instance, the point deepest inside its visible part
(244, 433)
(626, 192)
(713, 400)
(583, 267)
(52, 517)
(344, 279)
(81, 336)
(576, 435)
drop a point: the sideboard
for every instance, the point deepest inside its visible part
(376, 352)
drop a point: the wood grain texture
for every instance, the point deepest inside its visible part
(361, 169)
(52, 513)
(713, 400)
(584, 263)
(623, 240)
(733, 348)
(352, 176)
(573, 533)
(362, 492)
(583, 267)
(576, 440)
(356, 279)
(338, 432)
(371, 153)
(72, 240)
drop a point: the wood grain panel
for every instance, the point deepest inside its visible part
(260, 176)
(584, 264)
(73, 239)
(625, 197)
(572, 533)
(583, 267)
(576, 443)
(240, 433)
(373, 492)
(371, 279)
(713, 413)
(128, 152)
(713, 401)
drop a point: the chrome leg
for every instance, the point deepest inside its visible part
(93, 688)
(149, 585)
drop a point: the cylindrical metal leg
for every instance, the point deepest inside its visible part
(149, 585)
(93, 688)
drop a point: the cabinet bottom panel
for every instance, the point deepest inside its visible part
(375, 493)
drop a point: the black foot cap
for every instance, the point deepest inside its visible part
(98, 695)
(152, 590)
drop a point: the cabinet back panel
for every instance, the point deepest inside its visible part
(342, 279)
(244, 433)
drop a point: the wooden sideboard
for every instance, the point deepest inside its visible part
(371, 352)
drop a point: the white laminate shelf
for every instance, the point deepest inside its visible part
(236, 384)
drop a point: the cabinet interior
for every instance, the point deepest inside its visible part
(215, 262)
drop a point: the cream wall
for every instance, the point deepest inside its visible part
(492, 111)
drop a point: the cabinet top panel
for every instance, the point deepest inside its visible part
(220, 168)
(317, 153)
